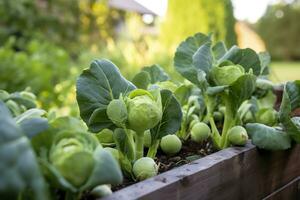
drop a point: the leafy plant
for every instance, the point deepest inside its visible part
(107, 100)
(226, 75)
(73, 159)
(20, 174)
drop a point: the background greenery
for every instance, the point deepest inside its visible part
(44, 45)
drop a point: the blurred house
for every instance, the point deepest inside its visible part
(149, 11)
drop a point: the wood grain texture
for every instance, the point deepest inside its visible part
(232, 173)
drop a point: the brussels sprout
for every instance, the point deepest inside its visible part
(4, 95)
(170, 144)
(144, 112)
(237, 135)
(69, 150)
(200, 132)
(101, 191)
(105, 137)
(75, 160)
(144, 168)
(117, 112)
(226, 75)
(147, 139)
(267, 116)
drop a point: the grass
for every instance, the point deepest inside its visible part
(284, 71)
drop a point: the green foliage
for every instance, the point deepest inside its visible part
(39, 67)
(73, 159)
(102, 76)
(198, 16)
(282, 33)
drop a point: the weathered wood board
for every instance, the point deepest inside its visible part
(233, 173)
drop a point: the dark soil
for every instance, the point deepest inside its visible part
(190, 151)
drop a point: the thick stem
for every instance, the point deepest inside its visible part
(229, 121)
(153, 149)
(139, 144)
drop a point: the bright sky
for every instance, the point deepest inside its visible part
(251, 10)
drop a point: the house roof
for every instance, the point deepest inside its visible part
(154, 7)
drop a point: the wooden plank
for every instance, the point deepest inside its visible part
(233, 173)
(289, 191)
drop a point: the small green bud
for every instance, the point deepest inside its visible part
(200, 132)
(237, 135)
(144, 168)
(170, 144)
(117, 112)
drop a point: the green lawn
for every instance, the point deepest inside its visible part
(284, 71)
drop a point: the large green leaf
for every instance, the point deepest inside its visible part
(247, 58)
(183, 60)
(96, 87)
(171, 118)
(19, 169)
(157, 74)
(269, 138)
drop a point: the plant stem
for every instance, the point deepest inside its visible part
(153, 149)
(130, 144)
(139, 144)
(228, 122)
(215, 133)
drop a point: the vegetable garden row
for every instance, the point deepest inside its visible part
(132, 130)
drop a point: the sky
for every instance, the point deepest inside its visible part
(251, 10)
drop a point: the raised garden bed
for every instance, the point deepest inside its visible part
(232, 173)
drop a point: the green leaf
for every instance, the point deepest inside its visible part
(19, 169)
(33, 126)
(290, 102)
(265, 60)
(141, 80)
(247, 58)
(183, 92)
(216, 90)
(202, 59)
(96, 87)
(241, 90)
(31, 113)
(156, 73)
(183, 60)
(18, 98)
(106, 170)
(219, 50)
(171, 118)
(269, 138)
